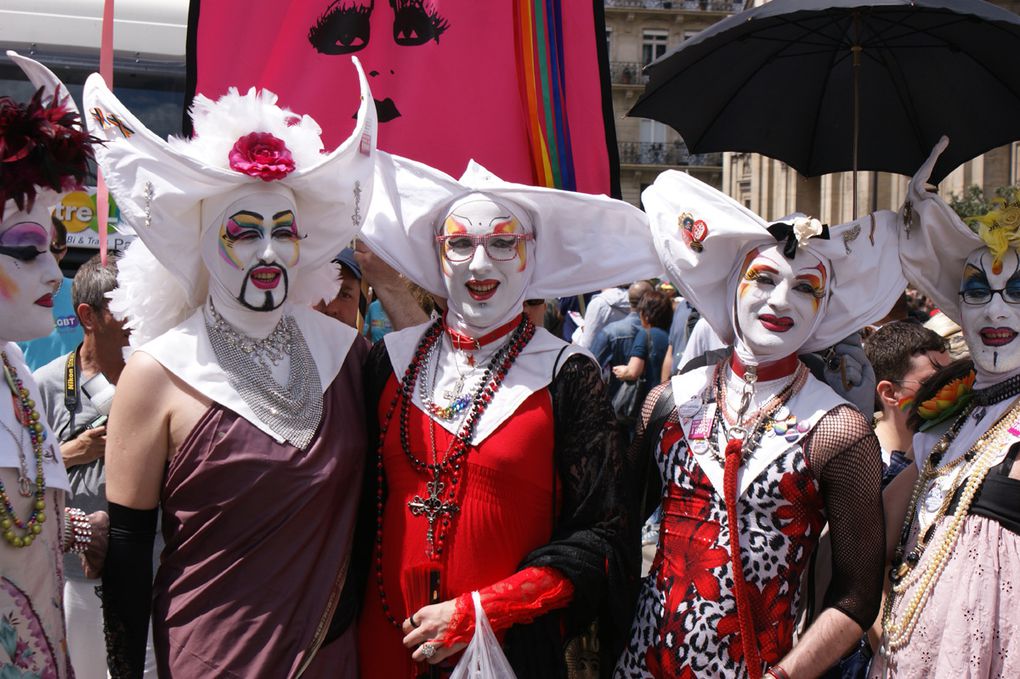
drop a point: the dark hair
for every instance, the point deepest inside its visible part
(656, 309)
(943, 376)
(93, 281)
(59, 231)
(891, 347)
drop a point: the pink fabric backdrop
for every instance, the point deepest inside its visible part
(459, 96)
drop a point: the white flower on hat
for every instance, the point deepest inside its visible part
(805, 228)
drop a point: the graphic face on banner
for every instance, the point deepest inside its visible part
(425, 62)
(778, 301)
(29, 275)
(258, 242)
(990, 310)
(484, 255)
(345, 27)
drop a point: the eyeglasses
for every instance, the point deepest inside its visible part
(501, 247)
(976, 296)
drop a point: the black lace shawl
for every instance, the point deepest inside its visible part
(595, 541)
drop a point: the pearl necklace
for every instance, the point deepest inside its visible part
(971, 475)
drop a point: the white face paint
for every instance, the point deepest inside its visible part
(29, 275)
(485, 255)
(991, 327)
(253, 250)
(778, 301)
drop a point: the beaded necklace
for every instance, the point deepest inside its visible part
(750, 428)
(440, 505)
(25, 412)
(458, 401)
(974, 466)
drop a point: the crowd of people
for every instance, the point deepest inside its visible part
(337, 413)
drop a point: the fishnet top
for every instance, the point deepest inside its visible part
(845, 458)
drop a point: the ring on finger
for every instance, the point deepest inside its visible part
(428, 649)
(414, 623)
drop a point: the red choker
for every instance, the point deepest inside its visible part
(772, 371)
(468, 343)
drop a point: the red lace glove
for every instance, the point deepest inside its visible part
(521, 598)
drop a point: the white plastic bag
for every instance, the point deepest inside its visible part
(483, 658)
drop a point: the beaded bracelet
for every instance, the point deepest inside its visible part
(77, 531)
(777, 672)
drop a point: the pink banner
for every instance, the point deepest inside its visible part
(450, 77)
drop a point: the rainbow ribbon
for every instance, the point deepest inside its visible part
(539, 35)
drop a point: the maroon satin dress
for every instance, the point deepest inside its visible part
(258, 538)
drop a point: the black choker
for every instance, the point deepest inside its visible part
(997, 392)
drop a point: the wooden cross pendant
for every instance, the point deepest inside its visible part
(432, 508)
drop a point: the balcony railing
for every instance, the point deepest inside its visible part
(627, 73)
(659, 153)
(703, 5)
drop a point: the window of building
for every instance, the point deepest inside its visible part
(653, 45)
(652, 132)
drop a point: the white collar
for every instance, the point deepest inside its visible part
(533, 370)
(813, 401)
(53, 467)
(186, 352)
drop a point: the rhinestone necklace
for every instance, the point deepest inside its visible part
(293, 411)
(269, 350)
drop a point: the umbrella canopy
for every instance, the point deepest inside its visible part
(780, 80)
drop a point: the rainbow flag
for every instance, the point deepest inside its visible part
(521, 86)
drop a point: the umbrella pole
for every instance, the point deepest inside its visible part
(856, 49)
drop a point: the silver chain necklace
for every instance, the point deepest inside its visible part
(294, 410)
(24, 484)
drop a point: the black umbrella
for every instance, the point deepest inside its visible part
(835, 85)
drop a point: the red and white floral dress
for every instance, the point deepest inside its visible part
(687, 622)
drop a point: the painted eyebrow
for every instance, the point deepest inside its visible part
(456, 219)
(973, 274)
(762, 267)
(246, 213)
(285, 213)
(500, 221)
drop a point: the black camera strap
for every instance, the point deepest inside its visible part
(71, 395)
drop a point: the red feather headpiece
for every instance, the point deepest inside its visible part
(42, 146)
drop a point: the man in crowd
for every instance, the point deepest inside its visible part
(612, 345)
(604, 308)
(684, 317)
(903, 354)
(349, 301)
(79, 424)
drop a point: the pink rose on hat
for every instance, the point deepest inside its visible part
(262, 155)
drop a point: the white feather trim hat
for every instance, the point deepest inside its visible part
(171, 192)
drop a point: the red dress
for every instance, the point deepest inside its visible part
(505, 500)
